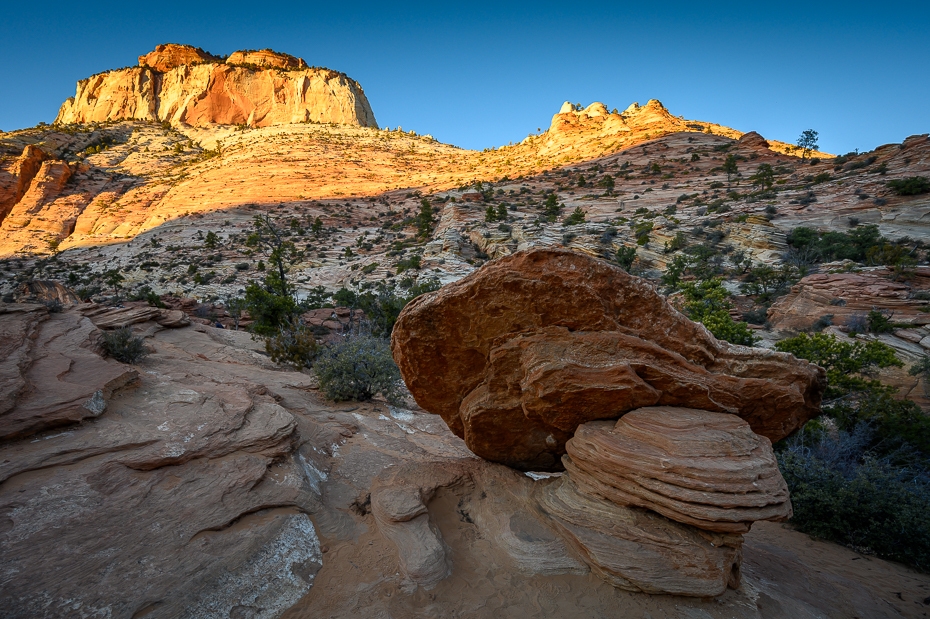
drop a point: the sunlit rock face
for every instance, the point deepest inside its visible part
(184, 84)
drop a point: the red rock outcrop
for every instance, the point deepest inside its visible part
(704, 469)
(42, 291)
(266, 58)
(171, 55)
(220, 93)
(844, 294)
(44, 187)
(515, 356)
(753, 140)
(15, 179)
(50, 374)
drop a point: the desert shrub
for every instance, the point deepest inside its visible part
(894, 424)
(626, 256)
(910, 186)
(842, 492)
(123, 346)
(850, 365)
(827, 246)
(358, 368)
(822, 323)
(154, 300)
(405, 264)
(823, 177)
(268, 311)
(857, 322)
(708, 302)
(577, 217)
(381, 305)
(293, 344)
(757, 316)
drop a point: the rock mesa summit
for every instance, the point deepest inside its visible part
(185, 84)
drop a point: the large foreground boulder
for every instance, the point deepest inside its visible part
(517, 355)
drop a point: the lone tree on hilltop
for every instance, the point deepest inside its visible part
(807, 143)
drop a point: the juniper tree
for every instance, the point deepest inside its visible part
(807, 143)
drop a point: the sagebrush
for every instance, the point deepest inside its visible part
(358, 369)
(123, 346)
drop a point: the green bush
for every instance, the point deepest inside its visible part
(577, 217)
(293, 344)
(841, 492)
(895, 423)
(708, 302)
(827, 246)
(123, 346)
(850, 365)
(154, 300)
(626, 256)
(268, 311)
(910, 186)
(357, 369)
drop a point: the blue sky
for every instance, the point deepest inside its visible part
(483, 74)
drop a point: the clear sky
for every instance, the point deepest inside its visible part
(483, 74)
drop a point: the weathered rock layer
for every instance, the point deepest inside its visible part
(699, 468)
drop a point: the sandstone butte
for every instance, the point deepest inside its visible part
(184, 84)
(563, 339)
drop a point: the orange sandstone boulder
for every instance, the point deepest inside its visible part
(699, 468)
(517, 355)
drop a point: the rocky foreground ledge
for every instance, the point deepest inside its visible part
(207, 482)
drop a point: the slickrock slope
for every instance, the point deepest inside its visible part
(183, 84)
(561, 339)
(50, 373)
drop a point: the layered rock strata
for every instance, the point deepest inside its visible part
(699, 468)
(50, 372)
(182, 84)
(638, 550)
(517, 355)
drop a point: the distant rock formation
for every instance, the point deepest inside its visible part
(167, 57)
(40, 291)
(184, 84)
(266, 58)
(563, 339)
